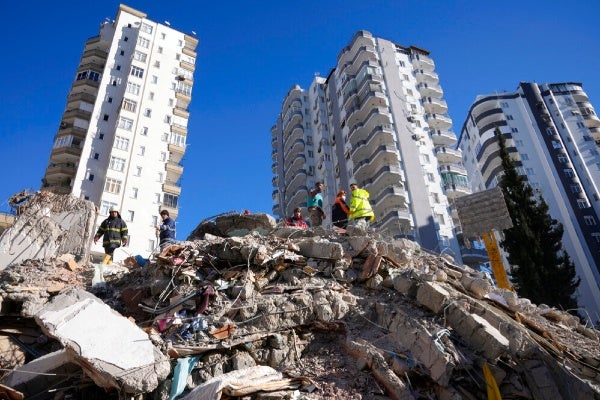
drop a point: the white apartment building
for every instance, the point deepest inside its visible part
(552, 132)
(123, 132)
(378, 120)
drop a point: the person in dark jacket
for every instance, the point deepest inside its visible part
(339, 210)
(115, 233)
(296, 220)
(166, 229)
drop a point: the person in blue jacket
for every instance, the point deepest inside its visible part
(166, 229)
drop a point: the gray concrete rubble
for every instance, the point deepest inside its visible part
(335, 316)
(48, 225)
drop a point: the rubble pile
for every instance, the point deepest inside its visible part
(248, 309)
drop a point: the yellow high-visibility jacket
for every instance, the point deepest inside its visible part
(360, 206)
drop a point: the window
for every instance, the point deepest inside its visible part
(101, 136)
(177, 139)
(164, 137)
(163, 35)
(514, 130)
(117, 164)
(170, 102)
(581, 203)
(118, 67)
(405, 77)
(137, 72)
(110, 99)
(160, 50)
(184, 89)
(129, 105)
(409, 92)
(179, 43)
(524, 156)
(504, 104)
(160, 177)
(139, 56)
(157, 198)
(154, 220)
(562, 159)
(556, 144)
(519, 143)
(596, 237)
(105, 117)
(112, 185)
(142, 150)
(91, 177)
(121, 143)
(133, 88)
(150, 245)
(589, 220)
(96, 156)
(154, 79)
(580, 125)
(138, 171)
(134, 193)
(151, 96)
(146, 28)
(425, 158)
(170, 200)
(575, 188)
(143, 42)
(401, 63)
(125, 39)
(569, 172)
(148, 112)
(156, 64)
(529, 171)
(167, 119)
(91, 75)
(509, 117)
(130, 215)
(430, 177)
(125, 123)
(122, 52)
(105, 206)
(163, 156)
(144, 131)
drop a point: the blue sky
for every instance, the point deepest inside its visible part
(251, 53)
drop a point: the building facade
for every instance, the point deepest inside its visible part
(378, 120)
(552, 133)
(123, 132)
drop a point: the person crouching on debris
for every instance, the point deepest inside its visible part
(314, 203)
(360, 208)
(166, 229)
(115, 233)
(296, 220)
(339, 210)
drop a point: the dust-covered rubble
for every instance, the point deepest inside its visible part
(248, 309)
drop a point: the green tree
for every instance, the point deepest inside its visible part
(541, 270)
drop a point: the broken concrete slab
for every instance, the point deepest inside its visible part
(320, 248)
(110, 348)
(49, 225)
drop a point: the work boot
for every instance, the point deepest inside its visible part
(107, 259)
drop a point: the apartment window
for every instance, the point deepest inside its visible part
(581, 203)
(150, 245)
(125, 123)
(436, 198)
(138, 171)
(562, 159)
(160, 50)
(129, 105)
(139, 56)
(519, 143)
(163, 35)
(177, 57)
(160, 177)
(130, 215)
(101, 136)
(148, 112)
(170, 102)
(405, 77)
(121, 143)
(118, 68)
(164, 137)
(569, 172)
(425, 158)
(143, 42)
(154, 220)
(96, 156)
(133, 88)
(146, 28)
(154, 79)
(170, 200)
(556, 144)
(105, 117)
(105, 206)
(401, 63)
(184, 89)
(90, 177)
(134, 193)
(596, 237)
(151, 96)
(529, 171)
(524, 156)
(504, 104)
(137, 71)
(117, 164)
(409, 92)
(144, 131)
(112, 186)
(575, 188)
(580, 125)
(163, 156)
(125, 39)
(514, 130)
(110, 99)
(430, 177)
(157, 198)
(179, 43)
(91, 75)
(156, 64)
(177, 139)
(589, 220)
(142, 150)
(122, 52)
(167, 119)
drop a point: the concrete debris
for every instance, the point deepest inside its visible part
(318, 314)
(48, 225)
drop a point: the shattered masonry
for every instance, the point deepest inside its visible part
(248, 309)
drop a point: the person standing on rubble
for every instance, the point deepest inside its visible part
(339, 210)
(314, 203)
(115, 233)
(296, 219)
(166, 230)
(360, 208)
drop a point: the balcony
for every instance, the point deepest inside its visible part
(297, 182)
(377, 116)
(297, 132)
(173, 211)
(174, 171)
(183, 97)
(74, 131)
(447, 155)
(392, 197)
(181, 112)
(171, 187)
(428, 77)
(176, 152)
(376, 138)
(61, 171)
(292, 117)
(293, 98)
(591, 120)
(595, 132)
(435, 106)
(456, 169)
(385, 177)
(83, 84)
(381, 156)
(360, 40)
(71, 115)
(275, 181)
(438, 121)
(187, 65)
(453, 190)
(294, 164)
(179, 129)
(81, 97)
(396, 223)
(63, 155)
(296, 147)
(579, 96)
(384, 135)
(91, 53)
(427, 90)
(423, 62)
(58, 188)
(274, 167)
(443, 137)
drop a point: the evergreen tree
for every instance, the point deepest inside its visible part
(541, 270)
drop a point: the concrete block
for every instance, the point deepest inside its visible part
(478, 332)
(110, 348)
(433, 296)
(405, 285)
(319, 248)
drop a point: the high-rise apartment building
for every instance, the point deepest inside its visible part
(123, 132)
(379, 120)
(552, 133)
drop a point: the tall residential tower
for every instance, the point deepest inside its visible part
(123, 131)
(552, 132)
(379, 120)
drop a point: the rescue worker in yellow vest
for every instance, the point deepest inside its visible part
(360, 208)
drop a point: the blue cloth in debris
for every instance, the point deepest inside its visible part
(180, 373)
